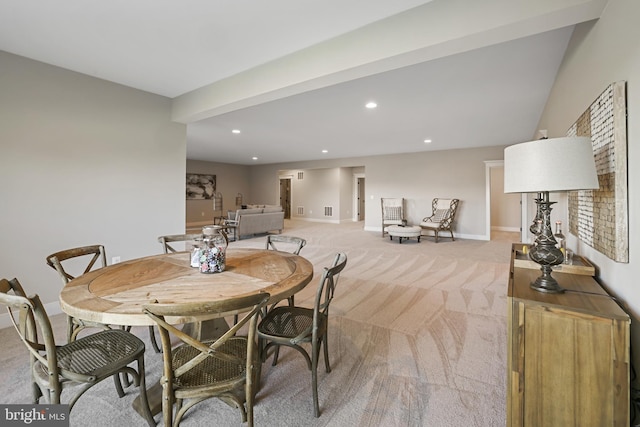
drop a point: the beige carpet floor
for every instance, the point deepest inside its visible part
(417, 338)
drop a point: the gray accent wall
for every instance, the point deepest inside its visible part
(82, 161)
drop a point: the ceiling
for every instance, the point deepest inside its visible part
(493, 95)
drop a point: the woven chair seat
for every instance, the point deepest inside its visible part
(213, 369)
(96, 355)
(290, 322)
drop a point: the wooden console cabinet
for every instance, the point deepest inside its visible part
(568, 354)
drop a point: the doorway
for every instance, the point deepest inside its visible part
(285, 196)
(359, 197)
(503, 211)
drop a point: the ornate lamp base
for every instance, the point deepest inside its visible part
(545, 251)
(546, 283)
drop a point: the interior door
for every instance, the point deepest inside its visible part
(285, 196)
(361, 199)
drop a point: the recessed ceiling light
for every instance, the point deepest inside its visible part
(235, 131)
(325, 151)
(254, 158)
(427, 141)
(371, 105)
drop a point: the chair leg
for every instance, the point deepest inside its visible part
(69, 328)
(142, 386)
(118, 383)
(324, 343)
(314, 381)
(154, 343)
(250, 392)
(167, 404)
(36, 392)
(261, 357)
(452, 239)
(276, 353)
(436, 236)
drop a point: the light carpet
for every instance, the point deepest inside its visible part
(417, 338)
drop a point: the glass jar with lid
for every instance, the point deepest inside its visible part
(214, 248)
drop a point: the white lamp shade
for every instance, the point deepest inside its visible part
(556, 164)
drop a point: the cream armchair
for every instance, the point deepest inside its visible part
(392, 212)
(442, 216)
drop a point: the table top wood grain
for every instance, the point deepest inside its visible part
(115, 294)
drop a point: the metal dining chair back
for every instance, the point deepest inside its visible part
(85, 361)
(292, 326)
(196, 370)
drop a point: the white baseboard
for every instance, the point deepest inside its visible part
(326, 221)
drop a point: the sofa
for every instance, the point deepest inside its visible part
(258, 219)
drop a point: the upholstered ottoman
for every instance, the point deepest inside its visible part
(403, 232)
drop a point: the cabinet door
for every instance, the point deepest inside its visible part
(570, 368)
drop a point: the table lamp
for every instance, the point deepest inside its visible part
(543, 166)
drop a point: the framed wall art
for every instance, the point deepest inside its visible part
(200, 187)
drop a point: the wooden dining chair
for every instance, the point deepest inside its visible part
(293, 326)
(77, 365)
(169, 246)
(95, 257)
(286, 244)
(196, 370)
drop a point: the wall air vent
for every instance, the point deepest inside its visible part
(300, 210)
(328, 211)
(300, 175)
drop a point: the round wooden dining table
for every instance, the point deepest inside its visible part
(114, 295)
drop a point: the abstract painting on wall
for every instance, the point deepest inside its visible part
(599, 218)
(200, 187)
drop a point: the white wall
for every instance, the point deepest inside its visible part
(599, 54)
(318, 188)
(418, 177)
(82, 161)
(347, 194)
